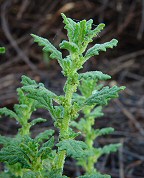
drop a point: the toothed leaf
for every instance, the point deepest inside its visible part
(103, 96)
(8, 112)
(100, 47)
(48, 47)
(73, 148)
(95, 75)
(44, 135)
(38, 120)
(70, 46)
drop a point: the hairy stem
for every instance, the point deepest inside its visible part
(70, 88)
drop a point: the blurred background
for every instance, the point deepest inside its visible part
(124, 21)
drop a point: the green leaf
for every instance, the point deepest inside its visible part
(109, 148)
(55, 174)
(95, 75)
(49, 143)
(46, 149)
(38, 120)
(97, 30)
(38, 90)
(103, 96)
(69, 26)
(70, 46)
(4, 140)
(97, 112)
(29, 174)
(26, 81)
(44, 135)
(2, 50)
(81, 125)
(6, 175)
(104, 131)
(8, 112)
(73, 148)
(42, 95)
(95, 175)
(100, 47)
(12, 154)
(48, 47)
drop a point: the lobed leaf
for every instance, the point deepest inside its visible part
(73, 148)
(38, 120)
(95, 75)
(44, 135)
(26, 81)
(12, 155)
(8, 112)
(42, 95)
(100, 47)
(97, 112)
(70, 46)
(48, 47)
(109, 148)
(46, 149)
(69, 26)
(4, 140)
(104, 131)
(103, 96)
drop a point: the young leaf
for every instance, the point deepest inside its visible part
(44, 135)
(109, 148)
(69, 26)
(4, 140)
(73, 148)
(26, 81)
(104, 131)
(70, 46)
(40, 94)
(46, 149)
(97, 112)
(35, 121)
(95, 75)
(8, 112)
(48, 47)
(100, 47)
(103, 96)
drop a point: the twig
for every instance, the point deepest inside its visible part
(121, 165)
(141, 28)
(130, 117)
(6, 30)
(128, 56)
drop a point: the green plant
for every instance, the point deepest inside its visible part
(44, 156)
(2, 50)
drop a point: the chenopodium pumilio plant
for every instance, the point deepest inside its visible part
(44, 156)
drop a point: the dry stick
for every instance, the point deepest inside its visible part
(141, 28)
(23, 8)
(6, 30)
(128, 19)
(121, 165)
(130, 117)
(128, 56)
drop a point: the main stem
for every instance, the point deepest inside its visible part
(70, 88)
